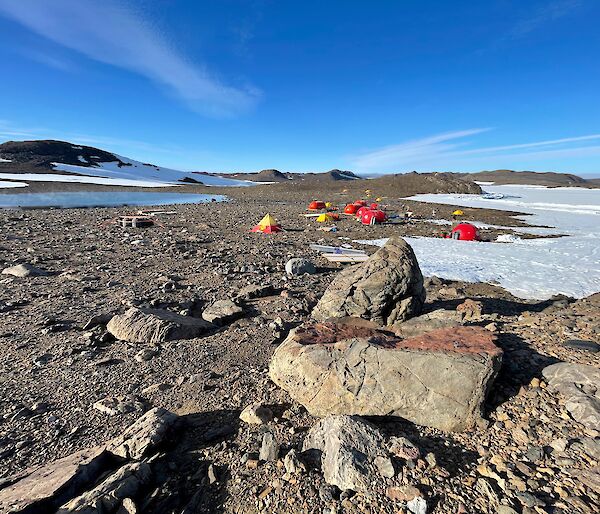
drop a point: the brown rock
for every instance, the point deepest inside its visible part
(437, 379)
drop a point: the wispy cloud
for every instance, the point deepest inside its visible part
(438, 151)
(542, 15)
(414, 150)
(110, 33)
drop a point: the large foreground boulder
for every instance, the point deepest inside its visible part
(385, 289)
(155, 326)
(353, 452)
(438, 379)
(580, 385)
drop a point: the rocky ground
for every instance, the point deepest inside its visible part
(68, 384)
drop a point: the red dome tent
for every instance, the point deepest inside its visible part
(372, 216)
(465, 232)
(350, 209)
(316, 206)
(361, 211)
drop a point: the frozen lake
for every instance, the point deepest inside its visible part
(101, 199)
(528, 268)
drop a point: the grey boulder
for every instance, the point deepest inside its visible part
(438, 379)
(155, 326)
(353, 452)
(580, 385)
(298, 266)
(385, 289)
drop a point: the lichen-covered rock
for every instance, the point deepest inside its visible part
(580, 385)
(438, 379)
(353, 452)
(155, 326)
(385, 289)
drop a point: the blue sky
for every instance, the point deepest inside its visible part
(386, 86)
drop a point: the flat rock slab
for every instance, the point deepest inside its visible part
(155, 326)
(43, 487)
(386, 289)
(582, 345)
(24, 270)
(437, 379)
(580, 385)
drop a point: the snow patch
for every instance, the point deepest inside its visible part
(81, 158)
(11, 185)
(528, 268)
(4, 160)
(79, 179)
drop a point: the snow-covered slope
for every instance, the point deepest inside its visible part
(145, 175)
(528, 268)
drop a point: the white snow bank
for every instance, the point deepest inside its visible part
(528, 268)
(137, 171)
(54, 177)
(11, 185)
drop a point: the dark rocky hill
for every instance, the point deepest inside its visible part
(38, 156)
(529, 178)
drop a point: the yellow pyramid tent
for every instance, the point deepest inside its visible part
(324, 218)
(267, 225)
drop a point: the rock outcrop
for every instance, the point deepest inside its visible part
(95, 480)
(438, 379)
(386, 289)
(580, 385)
(353, 452)
(155, 326)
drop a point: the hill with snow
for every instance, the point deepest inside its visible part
(60, 161)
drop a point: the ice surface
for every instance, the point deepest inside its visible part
(528, 268)
(101, 199)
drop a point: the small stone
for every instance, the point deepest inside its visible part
(417, 506)
(256, 414)
(299, 266)
(24, 270)
(222, 312)
(384, 466)
(212, 476)
(252, 463)
(403, 448)
(146, 354)
(269, 450)
(402, 493)
(292, 464)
